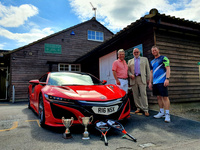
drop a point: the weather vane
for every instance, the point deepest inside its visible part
(93, 9)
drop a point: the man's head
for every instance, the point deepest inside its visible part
(121, 54)
(136, 52)
(155, 51)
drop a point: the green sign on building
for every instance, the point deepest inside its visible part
(52, 48)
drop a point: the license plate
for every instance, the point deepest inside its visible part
(105, 110)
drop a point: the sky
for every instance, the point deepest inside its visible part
(25, 21)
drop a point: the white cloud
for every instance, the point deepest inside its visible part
(189, 10)
(2, 45)
(26, 38)
(18, 16)
(117, 14)
(15, 16)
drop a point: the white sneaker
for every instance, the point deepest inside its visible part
(167, 118)
(159, 115)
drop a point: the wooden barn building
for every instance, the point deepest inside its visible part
(56, 52)
(76, 48)
(178, 39)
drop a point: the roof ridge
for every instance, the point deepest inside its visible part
(54, 34)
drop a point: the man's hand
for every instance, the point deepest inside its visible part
(166, 83)
(118, 82)
(132, 77)
(150, 85)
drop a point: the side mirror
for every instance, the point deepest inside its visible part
(34, 82)
(37, 82)
(104, 82)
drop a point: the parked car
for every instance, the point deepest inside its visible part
(73, 94)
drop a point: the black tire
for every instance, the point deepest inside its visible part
(41, 112)
(29, 106)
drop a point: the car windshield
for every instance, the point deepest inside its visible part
(71, 78)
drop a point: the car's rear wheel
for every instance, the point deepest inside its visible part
(41, 112)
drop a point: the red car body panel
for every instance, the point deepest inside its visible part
(89, 93)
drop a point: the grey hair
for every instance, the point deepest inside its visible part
(120, 50)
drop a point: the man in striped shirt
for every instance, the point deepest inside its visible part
(160, 74)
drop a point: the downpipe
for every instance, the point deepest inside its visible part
(13, 94)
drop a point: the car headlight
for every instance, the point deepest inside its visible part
(55, 98)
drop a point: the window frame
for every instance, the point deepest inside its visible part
(95, 36)
(69, 67)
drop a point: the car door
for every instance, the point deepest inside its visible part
(31, 91)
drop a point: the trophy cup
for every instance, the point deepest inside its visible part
(85, 121)
(67, 123)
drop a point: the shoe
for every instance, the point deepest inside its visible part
(159, 115)
(167, 118)
(137, 111)
(146, 114)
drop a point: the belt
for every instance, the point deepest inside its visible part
(138, 75)
(123, 78)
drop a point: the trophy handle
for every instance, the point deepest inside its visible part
(63, 118)
(72, 120)
(79, 117)
(91, 117)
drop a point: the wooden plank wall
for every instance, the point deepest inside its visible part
(183, 52)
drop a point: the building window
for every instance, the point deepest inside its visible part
(69, 67)
(95, 35)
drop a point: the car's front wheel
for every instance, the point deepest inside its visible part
(41, 112)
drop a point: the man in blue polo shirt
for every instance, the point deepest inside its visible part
(160, 74)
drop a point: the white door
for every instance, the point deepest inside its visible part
(105, 65)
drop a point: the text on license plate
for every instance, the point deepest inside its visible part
(105, 110)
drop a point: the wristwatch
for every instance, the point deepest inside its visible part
(167, 78)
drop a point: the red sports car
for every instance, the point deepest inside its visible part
(74, 94)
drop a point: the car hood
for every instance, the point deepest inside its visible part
(93, 92)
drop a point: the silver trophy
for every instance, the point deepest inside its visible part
(85, 121)
(67, 123)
